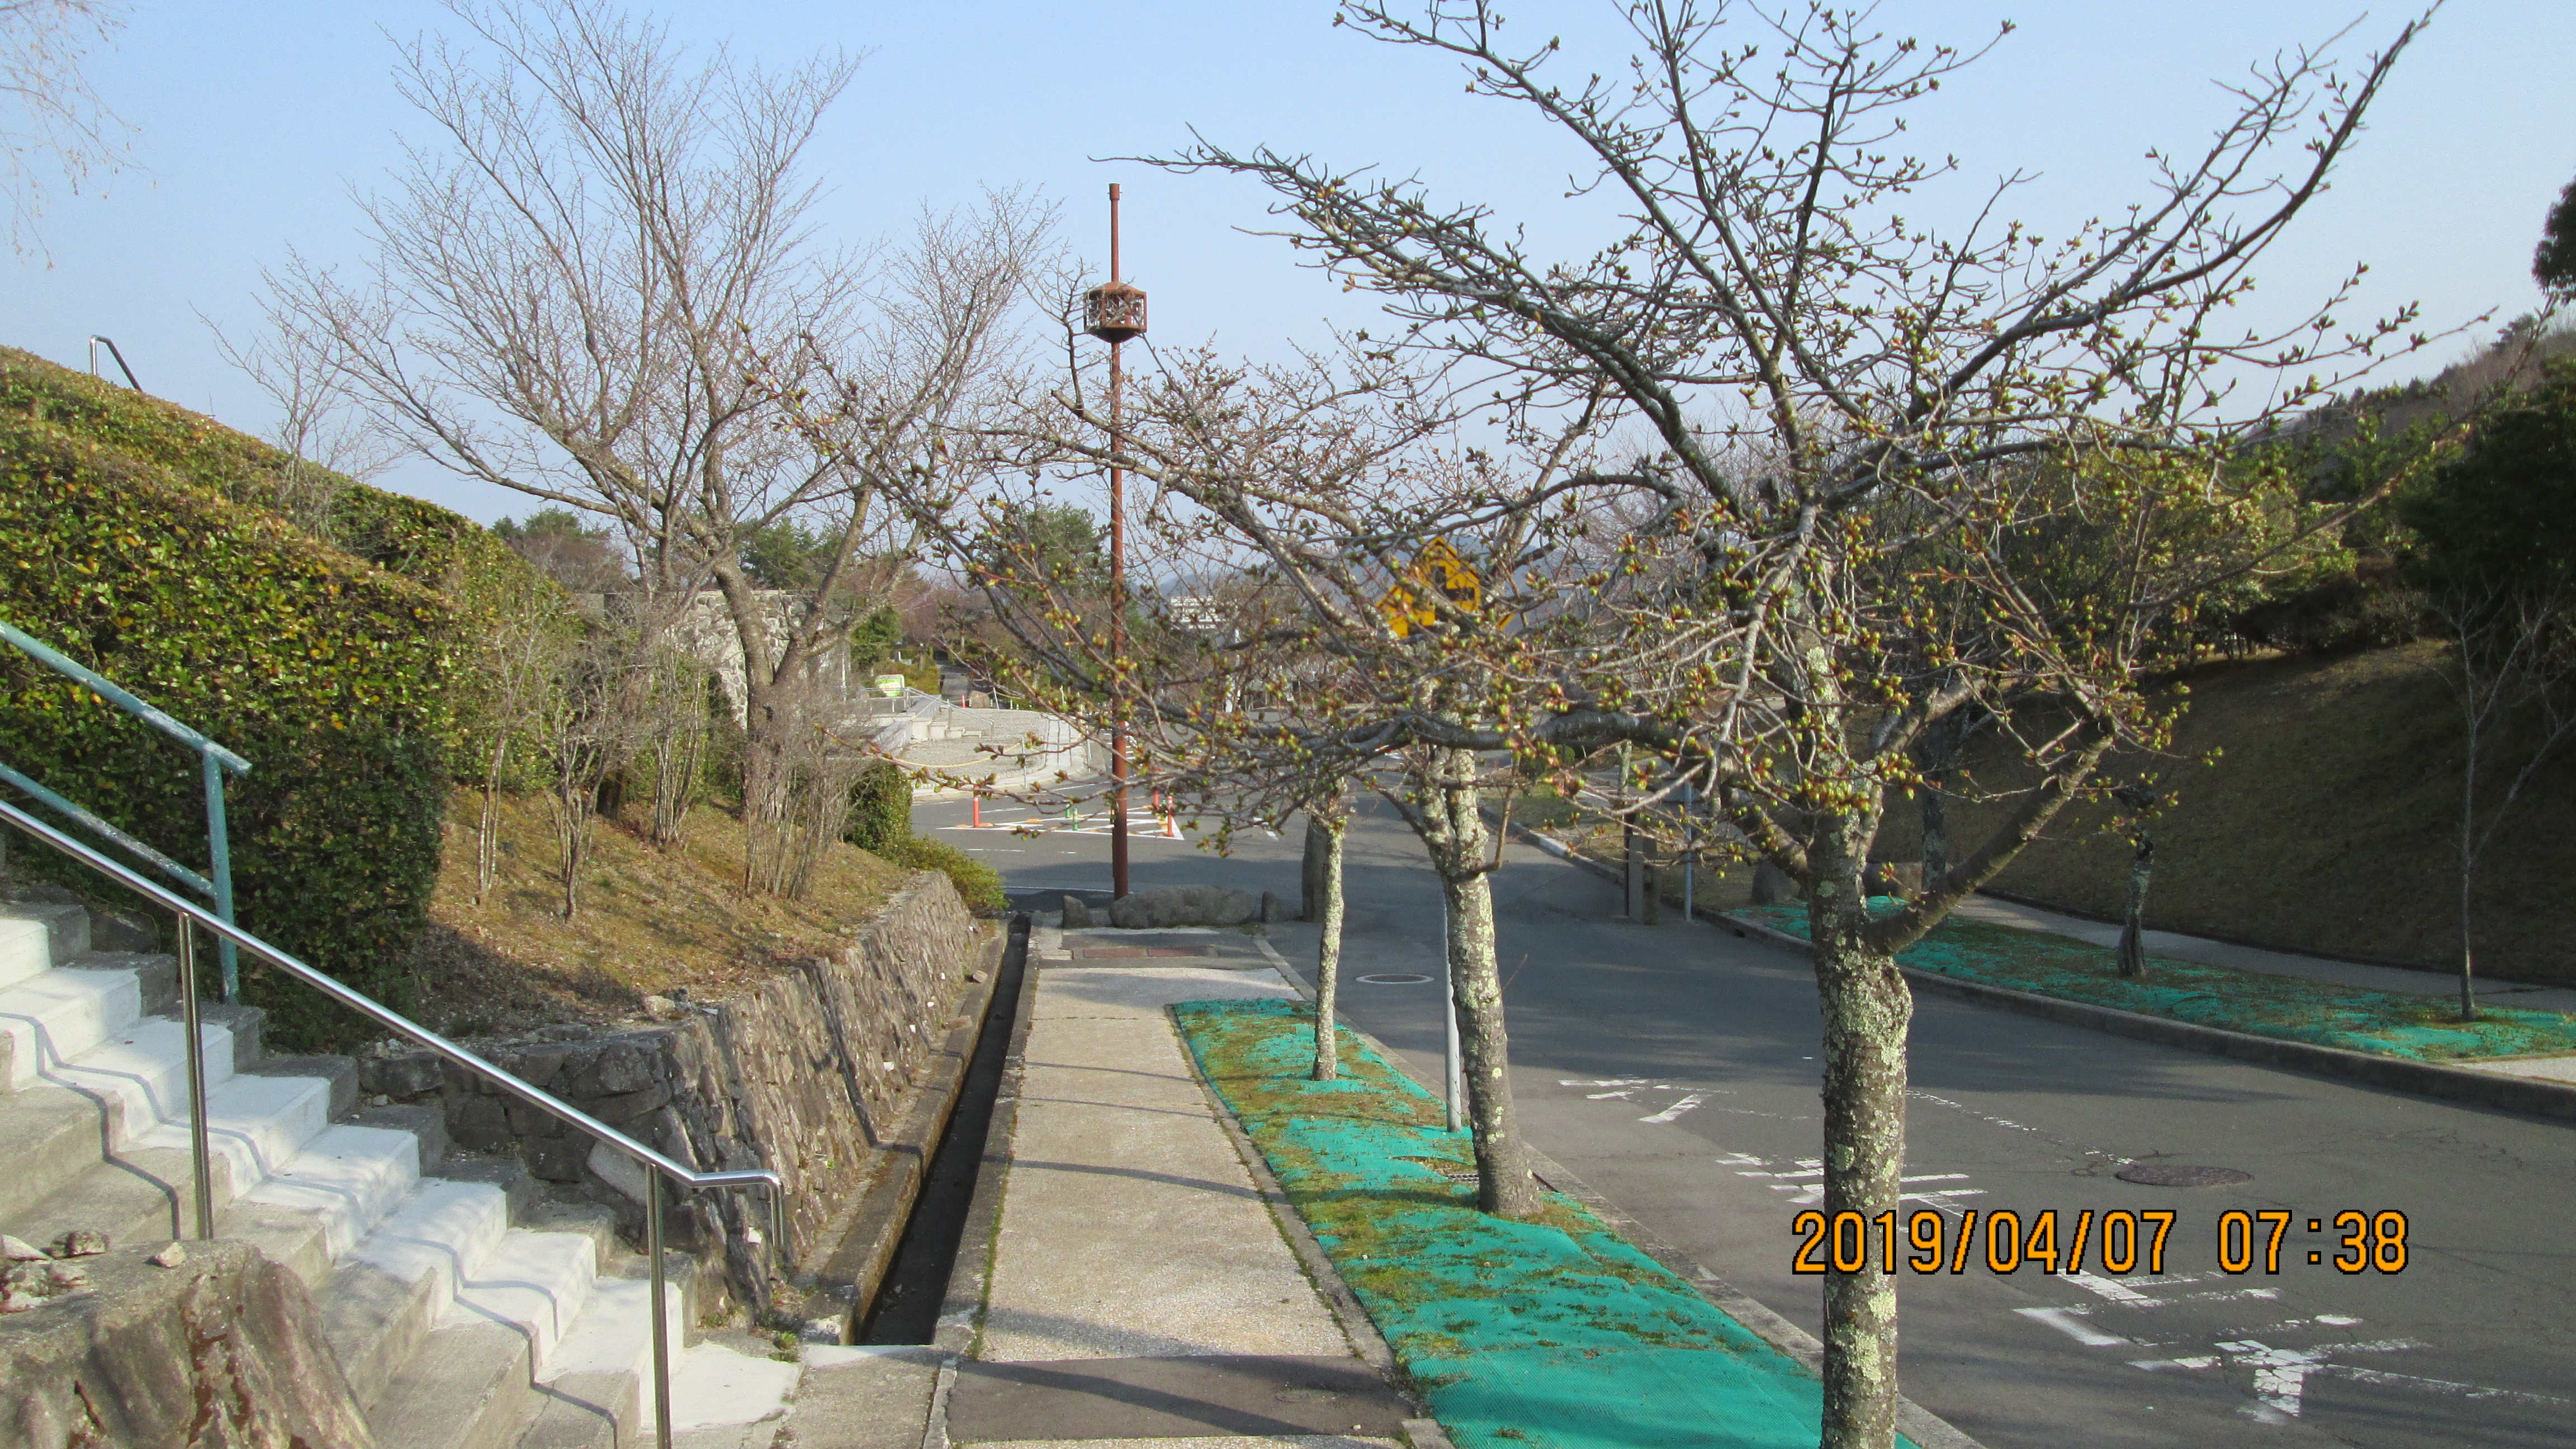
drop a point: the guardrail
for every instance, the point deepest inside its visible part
(190, 917)
(213, 760)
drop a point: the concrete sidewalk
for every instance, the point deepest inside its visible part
(1142, 1286)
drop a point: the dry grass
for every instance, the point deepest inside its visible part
(648, 921)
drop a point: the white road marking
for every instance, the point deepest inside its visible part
(2070, 1321)
(1688, 1101)
(1605, 1082)
(1629, 1092)
(2117, 1292)
(2361, 1375)
(2280, 1374)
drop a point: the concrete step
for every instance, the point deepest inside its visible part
(348, 1178)
(598, 1382)
(469, 1386)
(533, 1282)
(37, 935)
(528, 1338)
(384, 1296)
(133, 1196)
(259, 1122)
(52, 1018)
(142, 1072)
(71, 1118)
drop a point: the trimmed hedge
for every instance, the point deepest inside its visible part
(419, 541)
(135, 545)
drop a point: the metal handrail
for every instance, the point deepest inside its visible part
(191, 916)
(212, 759)
(114, 351)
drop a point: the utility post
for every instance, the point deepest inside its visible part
(1114, 313)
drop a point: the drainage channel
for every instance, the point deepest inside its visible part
(906, 1309)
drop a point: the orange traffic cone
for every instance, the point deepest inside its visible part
(1171, 827)
(979, 812)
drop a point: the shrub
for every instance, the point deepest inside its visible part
(979, 883)
(880, 808)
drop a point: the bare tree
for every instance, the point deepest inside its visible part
(1318, 486)
(599, 286)
(675, 730)
(1854, 422)
(2512, 663)
(582, 731)
(329, 443)
(525, 654)
(54, 122)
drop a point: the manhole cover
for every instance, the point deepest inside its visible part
(1396, 978)
(2171, 1174)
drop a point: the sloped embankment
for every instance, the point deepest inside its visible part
(2325, 823)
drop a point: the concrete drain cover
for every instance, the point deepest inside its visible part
(1396, 978)
(2170, 1174)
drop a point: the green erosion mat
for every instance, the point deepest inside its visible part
(1548, 1335)
(2386, 1023)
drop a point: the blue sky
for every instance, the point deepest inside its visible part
(256, 121)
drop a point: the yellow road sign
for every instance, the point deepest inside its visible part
(1439, 567)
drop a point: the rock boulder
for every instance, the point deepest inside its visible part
(225, 1349)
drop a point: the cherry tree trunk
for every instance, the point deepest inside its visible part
(1328, 952)
(2133, 921)
(1504, 1186)
(1867, 1007)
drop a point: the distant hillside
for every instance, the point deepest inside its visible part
(2326, 824)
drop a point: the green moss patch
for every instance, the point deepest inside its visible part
(2385, 1023)
(1556, 1334)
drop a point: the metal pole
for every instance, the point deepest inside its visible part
(1117, 601)
(1453, 1081)
(661, 1319)
(1690, 854)
(201, 1158)
(219, 849)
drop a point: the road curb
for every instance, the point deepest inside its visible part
(2525, 1095)
(1927, 1429)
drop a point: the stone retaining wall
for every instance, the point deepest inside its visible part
(807, 1075)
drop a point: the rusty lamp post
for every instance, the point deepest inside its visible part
(1114, 312)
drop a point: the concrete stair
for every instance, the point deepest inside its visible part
(465, 1314)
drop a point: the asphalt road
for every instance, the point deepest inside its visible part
(1673, 1067)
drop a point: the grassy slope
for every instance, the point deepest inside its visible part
(649, 921)
(2326, 824)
